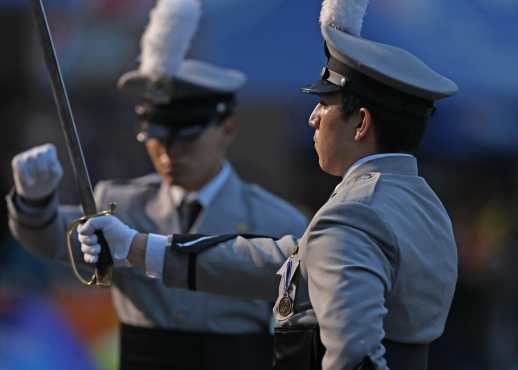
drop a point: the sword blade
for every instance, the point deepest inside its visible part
(103, 267)
(66, 117)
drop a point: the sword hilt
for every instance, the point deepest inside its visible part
(104, 266)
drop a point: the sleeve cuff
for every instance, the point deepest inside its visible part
(155, 254)
(31, 217)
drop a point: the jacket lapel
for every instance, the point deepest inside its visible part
(228, 212)
(162, 209)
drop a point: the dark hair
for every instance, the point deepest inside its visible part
(394, 131)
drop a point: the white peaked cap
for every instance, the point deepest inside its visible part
(210, 76)
(351, 58)
(344, 15)
(164, 45)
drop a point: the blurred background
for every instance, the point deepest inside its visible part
(48, 321)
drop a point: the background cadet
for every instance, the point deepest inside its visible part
(370, 283)
(186, 122)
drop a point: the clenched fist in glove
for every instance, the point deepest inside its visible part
(37, 172)
(118, 235)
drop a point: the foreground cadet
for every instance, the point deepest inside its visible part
(370, 283)
(186, 122)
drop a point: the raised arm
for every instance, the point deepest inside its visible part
(36, 219)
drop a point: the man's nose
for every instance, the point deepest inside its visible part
(164, 158)
(314, 118)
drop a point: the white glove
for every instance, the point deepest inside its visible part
(36, 172)
(118, 235)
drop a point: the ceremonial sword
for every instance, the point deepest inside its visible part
(103, 267)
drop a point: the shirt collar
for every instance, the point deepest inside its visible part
(207, 193)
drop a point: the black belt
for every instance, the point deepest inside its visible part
(301, 349)
(159, 349)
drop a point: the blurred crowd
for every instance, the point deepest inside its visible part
(274, 149)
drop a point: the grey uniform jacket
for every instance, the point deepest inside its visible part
(378, 260)
(146, 205)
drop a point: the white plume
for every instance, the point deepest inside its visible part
(168, 36)
(345, 15)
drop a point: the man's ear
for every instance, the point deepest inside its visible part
(364, 126)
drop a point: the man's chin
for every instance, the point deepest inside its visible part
(329, 169)
(322, 165)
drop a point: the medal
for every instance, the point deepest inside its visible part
(285, 306)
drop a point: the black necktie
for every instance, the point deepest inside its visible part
(188, 211)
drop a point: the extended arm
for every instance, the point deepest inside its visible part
(239, 267)
(229, 265)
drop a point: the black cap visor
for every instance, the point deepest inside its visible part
(169, 134)
(320, 87)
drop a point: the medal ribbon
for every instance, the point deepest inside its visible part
(288, 275)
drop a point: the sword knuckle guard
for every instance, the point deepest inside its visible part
(104, 266)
